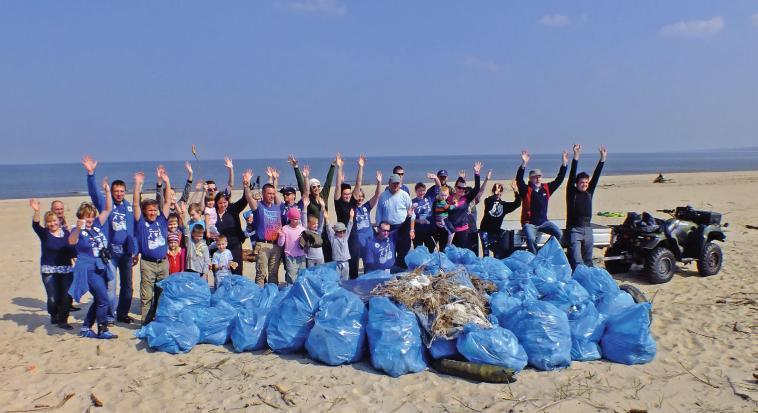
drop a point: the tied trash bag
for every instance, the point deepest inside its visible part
(552, 257)
(463, 256)
(291, 320)
(544, 332)
(248, 329)
(339, 333)
(596, 281)
(570, 295)
(586, 328)
(170, 335)
(179, 291)
(267, 297)
(237, 291)
(497, 346)
(213, 322)
(394, 338)
(627, 337)
(522, 287)
(504, 306)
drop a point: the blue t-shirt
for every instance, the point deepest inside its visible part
(119, 215)
(285, 208)
(363, 217)
(92, 241)
(379, 254)
(422, 211)
(268, 221)
(151, 237)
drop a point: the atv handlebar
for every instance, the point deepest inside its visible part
(666, 211)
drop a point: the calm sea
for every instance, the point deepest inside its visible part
(49, 180)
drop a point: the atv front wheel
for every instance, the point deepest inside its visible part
(616, 266)
(710, 260)
(660, 265)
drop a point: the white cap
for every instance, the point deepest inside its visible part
(314, 182)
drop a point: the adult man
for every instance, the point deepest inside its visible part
(379, 252)
(121, 240)
(399, 171)
(268, 222)
(534, 201)
(579, 194)
(393, 207)
(151, 232)
(60, 211)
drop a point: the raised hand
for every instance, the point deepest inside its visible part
(89, 164)
(320, 201)
(270, 172)
(246, 176)
(338, 160)
(306, 171)
(489, 174)
(342, 177)
(275, 173)
(362, 160)
(139, 178)
(462, 173)
(603, 153)
(188, 167)
(159, 173)
(431, 176)
(525, 157)
(106, 187)
(182, 206)
(379, 176)
(514, 186)
(200, 185)
(565, 157)
(577, 150)
(228, 162)
(477, 167)
(352, 213)
(34, 204)
(162, 174)
(291, 160)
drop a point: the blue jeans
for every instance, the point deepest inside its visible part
(292, 265)
(123, 263)
(58, 300)
(533, 233)
(98, 310)
(581, 241)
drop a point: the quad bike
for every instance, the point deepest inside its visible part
(689, 235)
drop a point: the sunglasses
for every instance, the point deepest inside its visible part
(383, 230)
(400, 173)
(316, 186)
(460, 187)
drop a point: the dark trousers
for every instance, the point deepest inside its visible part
(473, 241)
(58, 300)
(460, 239)
(123, 262)
(439, 235)
(354, 246)
(402, 244)
(236, 250)
(425, 236)
(98, 287)
(581, 240)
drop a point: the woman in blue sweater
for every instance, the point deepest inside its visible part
(55, 264)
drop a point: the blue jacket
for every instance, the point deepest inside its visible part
(98, 200)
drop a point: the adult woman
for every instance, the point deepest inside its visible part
(460, 201)
(228, 224)
(362, 231)
(495, 210)
(55, 265)
(93, 269)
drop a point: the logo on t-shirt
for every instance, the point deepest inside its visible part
(155, 238)
(118, 221)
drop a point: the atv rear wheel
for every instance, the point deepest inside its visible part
(616, 266)
(660, 265)
(710, 260)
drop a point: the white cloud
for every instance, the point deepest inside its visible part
(694, 28)
(319, 6)
(478, 63)
(754, 19)
(555, 20)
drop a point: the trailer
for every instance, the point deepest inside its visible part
(514, 239)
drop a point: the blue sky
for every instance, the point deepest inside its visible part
(141, 80)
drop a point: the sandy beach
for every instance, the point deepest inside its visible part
(706, 331)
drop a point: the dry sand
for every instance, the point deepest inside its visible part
(700, 348)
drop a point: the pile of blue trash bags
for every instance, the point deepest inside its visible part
(544, 315)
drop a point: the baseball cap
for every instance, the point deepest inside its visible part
(287, 190)
(339, 227)
(314, 182)
(535, 172)
(395, 179)
(442, 172)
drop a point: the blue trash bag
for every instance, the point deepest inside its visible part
(551, 256)
(181, 290)
(571, 294)
(237, 291)
(596, 281)
(504, 306)
(544, 331)
(213, 322)
(283, 292)
(523, 256)
(170, 335)
(376, 274)
(418, 257)
(291, 319)
(394, 338)
(497, 346)
(496, 269)
(267, 297)
(522, 287)
(440, 262)
(612, 304)
(441, 348)
(586, 329)
(339, 333)
(627, 337)
(463, 256)
(247, 330)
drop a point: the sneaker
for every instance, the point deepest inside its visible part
(87, 333)
(125, 320)
(65, 326)
(107, 335)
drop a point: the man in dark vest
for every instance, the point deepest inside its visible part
(534, 201)
(579, 192)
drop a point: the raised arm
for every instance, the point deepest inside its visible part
(199, 194)
(378, 191)
(159, 189)
(484, 187)
(513, 205)
(340, 176)
(598, 169)
(230, 167)
(477, 181)
(434, 179)
(561, 173)
(166, 207)
(359, 177)
(139, 180)
(94, 194)
(251, 201)
(103, 217)
(577, 149)
(298, 175)
(34, 204)
(187, 185)
(328, 183)
(525, 157)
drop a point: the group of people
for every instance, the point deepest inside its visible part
(204, 232)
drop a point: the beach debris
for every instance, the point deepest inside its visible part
(40, 408)
(475, 371)
(661, 180)
(742, 396)
(748, 226)
(705, 380)
(284, 393)
(95, 400)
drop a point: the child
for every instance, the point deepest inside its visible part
(210, 215)
(338, 236)
(222, 261)
(174, 224)
(289, 238)
(250, 228)
(198, 258)
(312, 241)
(441, 213)
(177, 255)
(196, 215)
